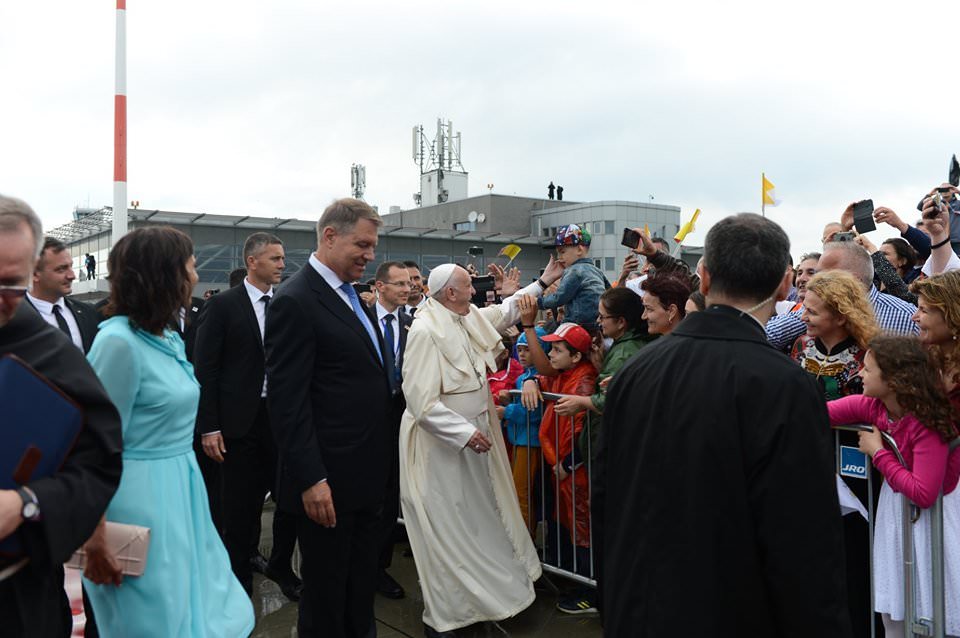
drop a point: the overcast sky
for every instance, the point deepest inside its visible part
(260, 108)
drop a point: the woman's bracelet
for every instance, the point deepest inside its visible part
(542, 285)
(943, 243)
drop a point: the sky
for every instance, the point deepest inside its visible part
(260, 108)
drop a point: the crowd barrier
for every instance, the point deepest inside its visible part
(548, 511)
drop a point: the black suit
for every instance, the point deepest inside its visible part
(330, 404)
(229, 364)
(391, 503)
(32, 602)
(87, 317)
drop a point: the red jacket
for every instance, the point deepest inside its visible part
(578, 380)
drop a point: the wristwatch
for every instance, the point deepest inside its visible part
(31, 508)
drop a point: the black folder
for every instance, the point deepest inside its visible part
(38, 427)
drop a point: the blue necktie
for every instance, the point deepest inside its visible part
(389, 339)
(362, 316)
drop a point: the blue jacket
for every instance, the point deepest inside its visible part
(579, 293)
(515, 417)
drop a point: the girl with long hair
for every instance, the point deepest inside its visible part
(904, 396)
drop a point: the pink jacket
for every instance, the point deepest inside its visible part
(922, 449)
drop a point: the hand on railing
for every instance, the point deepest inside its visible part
(530, 396)
(870, 442)
(570, 405)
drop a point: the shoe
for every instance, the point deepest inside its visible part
(258, 563)
(290, 585)
(388, 587)
(578, 605)
(430, 632)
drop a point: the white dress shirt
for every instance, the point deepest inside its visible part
(260, 310)
(331, 278)
(383, 312)
(45, 308)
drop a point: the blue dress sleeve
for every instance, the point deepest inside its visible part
(114, 359)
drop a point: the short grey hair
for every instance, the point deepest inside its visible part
(853, 258)
(13, 213)
(256, 242)
(343, 214)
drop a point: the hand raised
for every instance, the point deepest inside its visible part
(528, 310)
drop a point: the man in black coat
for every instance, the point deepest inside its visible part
(330, 401)
(393, 288)
(52, 281)
(233, 418)
(716, 500)
(71, 501)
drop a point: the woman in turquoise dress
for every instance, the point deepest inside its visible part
(188, 588)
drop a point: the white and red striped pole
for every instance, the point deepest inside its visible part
(120, 129)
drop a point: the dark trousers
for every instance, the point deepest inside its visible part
(391, 509)
(211, 471)
(248, 473)
(339, 575)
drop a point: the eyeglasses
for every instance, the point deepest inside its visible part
(9, 293)
(401, 284)
(602, 317)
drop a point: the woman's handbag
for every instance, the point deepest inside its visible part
(127, 543)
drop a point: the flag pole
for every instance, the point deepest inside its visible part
(763, 198)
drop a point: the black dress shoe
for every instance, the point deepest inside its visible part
(258, 563)
(430, 632)
(387, 586)
(290, 585)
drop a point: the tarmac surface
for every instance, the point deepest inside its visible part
(277, 616)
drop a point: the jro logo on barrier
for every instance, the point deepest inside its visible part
(853, 462)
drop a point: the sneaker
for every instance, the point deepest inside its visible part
(578, 605)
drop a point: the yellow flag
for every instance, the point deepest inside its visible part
(511, 251)
(646, 229)
(687, 228)
(769, 192)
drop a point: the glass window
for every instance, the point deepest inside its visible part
(608, 227)
(597, 228)
(465, 226)
(598, 262)
(608, 263)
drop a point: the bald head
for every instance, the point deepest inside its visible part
(850, 257)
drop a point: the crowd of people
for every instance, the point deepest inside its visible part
(666, 436)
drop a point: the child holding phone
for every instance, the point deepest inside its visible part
(903, 395)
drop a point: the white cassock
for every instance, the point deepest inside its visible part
(473, 552)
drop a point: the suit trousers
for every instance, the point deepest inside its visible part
(391, 501)
(339, 574)
(249, 472)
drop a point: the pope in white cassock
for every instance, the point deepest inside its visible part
(473, 552)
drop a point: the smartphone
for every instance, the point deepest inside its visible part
(863, 216)
(631, 238)
(938, 204)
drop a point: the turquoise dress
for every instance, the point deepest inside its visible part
(188, 589)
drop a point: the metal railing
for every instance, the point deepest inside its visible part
(915, 626)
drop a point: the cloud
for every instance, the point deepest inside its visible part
(260, 108)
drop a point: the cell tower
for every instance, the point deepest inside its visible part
(358, 180)
(442, 176)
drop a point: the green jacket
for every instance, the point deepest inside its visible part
(619, 353)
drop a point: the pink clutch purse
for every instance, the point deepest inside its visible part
(128, 543)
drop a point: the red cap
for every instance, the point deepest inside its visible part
(574, 335)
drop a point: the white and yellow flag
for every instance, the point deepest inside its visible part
(769, 193)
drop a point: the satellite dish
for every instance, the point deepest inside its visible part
(472, 216)
(481, 218)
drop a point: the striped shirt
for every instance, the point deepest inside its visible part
(893, 316)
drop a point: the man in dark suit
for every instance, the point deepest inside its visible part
(330, 406)
(53, 515)
(415, 298)
(393, 287)
(52, 281)
(233, 418)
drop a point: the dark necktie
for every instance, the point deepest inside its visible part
(389, 360)
(61, 322)
(266, 303)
